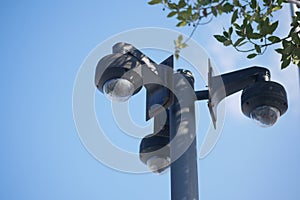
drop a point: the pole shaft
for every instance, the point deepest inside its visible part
(184, 175)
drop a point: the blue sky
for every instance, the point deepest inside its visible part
(43, 45)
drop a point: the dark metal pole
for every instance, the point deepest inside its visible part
(184, 175)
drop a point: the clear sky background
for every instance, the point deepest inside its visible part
(44, 43)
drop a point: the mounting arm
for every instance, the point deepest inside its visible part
(221, 86)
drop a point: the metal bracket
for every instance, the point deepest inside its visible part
(160, 96)
(216, 92)
(221, 86)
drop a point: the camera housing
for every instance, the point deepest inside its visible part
(264, 102)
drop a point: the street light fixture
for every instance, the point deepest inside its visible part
(123, 73)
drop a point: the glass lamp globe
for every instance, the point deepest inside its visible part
(118, 89)
(265, 116)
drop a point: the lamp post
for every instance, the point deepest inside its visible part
(173, 143)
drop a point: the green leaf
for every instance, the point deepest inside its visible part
(227, 8)
(234, 16)
(239, 41)
(289, 50)
(257, 48)
(285, 63)
(280, 51)
(266, 27)
(242, 43)
(280, 2)
(249, 28)
(172, 6)
(219, 9)
(253, 4)
(286, 44)
(171, 14)
(295, 38)
(294, 24)
(276, 8)
(239, 33)
(179, 39)
(267, 2)
(220, 38)
(298, 14)
(250, 56)
(153, 2)
(189, 10)
(227, 42)
(179, 45)
(214, 11)
(250, 34)
(254, 36)
(274, 39)
(183, 45)
(181, 23)
(230, 30)
(177, 54)
(183, 15)
(180, 17)
(273, 27)
(236, 3)
(226, 34)
(245, 22)
(296, 53)
(181, 4)
(236, 26)
(195, 16)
